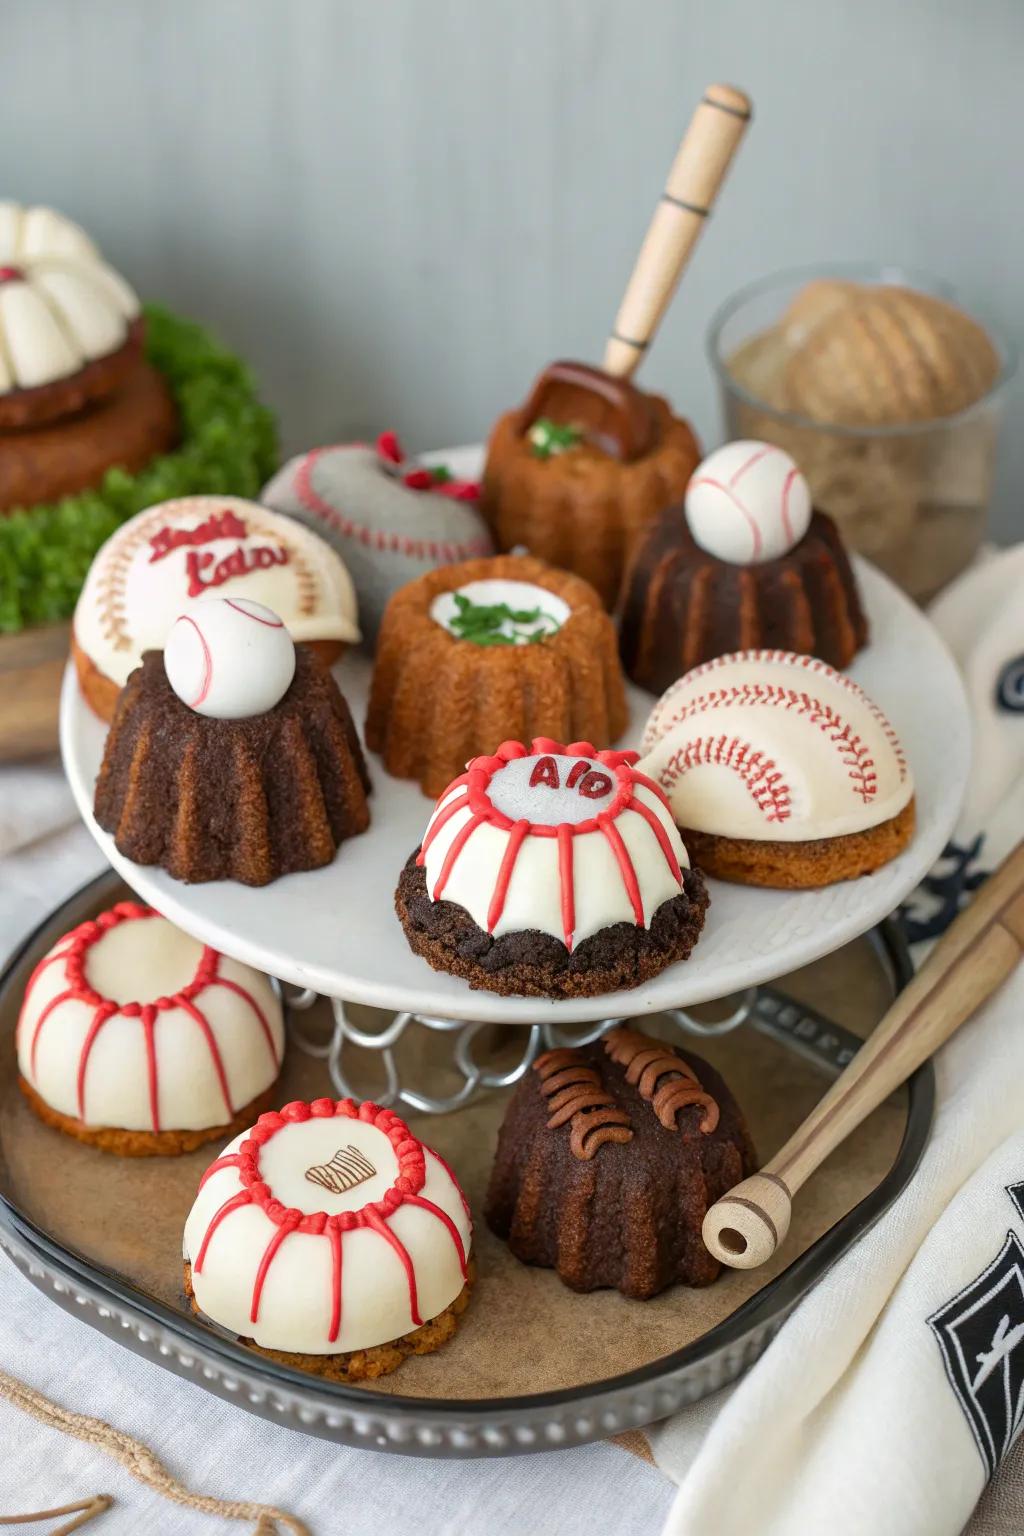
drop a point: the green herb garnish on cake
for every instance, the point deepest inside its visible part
(498, 624)
(548, 437)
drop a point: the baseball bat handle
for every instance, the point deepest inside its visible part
(977, 953)
(697, 173)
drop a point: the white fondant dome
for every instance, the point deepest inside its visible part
(61, 305)
(220, 546)
(131, 1024)
(328, 1227)
(565, 840)
(776, 747)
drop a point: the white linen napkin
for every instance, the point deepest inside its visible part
(897, 1386)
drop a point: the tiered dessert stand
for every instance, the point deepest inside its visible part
(333, 932)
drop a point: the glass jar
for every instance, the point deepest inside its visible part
(913, 496)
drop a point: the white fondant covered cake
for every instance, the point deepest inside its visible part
(61, 305)
(130, 1024)
(773, 746)
(173, 553)
(229, 659)
(561, 839)
(748, 503)
(388, 522)
(327, 1227)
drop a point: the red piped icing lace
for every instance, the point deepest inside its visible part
(476, 783)
(74, 953)
(406, 1190)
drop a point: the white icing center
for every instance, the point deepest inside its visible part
(520, 597)
(335, 1151)
(141, 960)
(551, 790)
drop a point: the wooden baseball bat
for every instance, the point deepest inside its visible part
(976, 954)
(697, 173)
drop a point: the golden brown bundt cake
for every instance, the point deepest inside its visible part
(581, 498)
(608, 1158)
(681, 606)
(472, 654)
(232, 799)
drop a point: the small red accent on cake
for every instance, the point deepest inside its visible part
(11, 275)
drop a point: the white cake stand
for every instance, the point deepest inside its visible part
(333, 932)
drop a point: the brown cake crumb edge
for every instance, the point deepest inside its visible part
(804, 865)
(381, 1359)
(539, 966)
(108, 1138)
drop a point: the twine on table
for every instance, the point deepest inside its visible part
(140, 1462)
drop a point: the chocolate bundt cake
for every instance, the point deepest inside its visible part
(471, 654)
(245, 799)
(608, 1158)
(744, 564)
(580, 495)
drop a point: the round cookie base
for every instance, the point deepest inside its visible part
(533, 964)
(380, 1359)
(801, 866)
(122, 1143)
(101, 693)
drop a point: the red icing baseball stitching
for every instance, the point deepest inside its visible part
(768, 790)
(406, 1190)
(75, 954)
(854, 753)
(256, 618)
(655, 730)
(207, 677)
(718, 485)
(477, 780)
(441, 552)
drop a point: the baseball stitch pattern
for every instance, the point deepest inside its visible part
(855, 757)
(810, 664)
(761, 775)
(441, 552)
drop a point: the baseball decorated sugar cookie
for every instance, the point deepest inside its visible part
(175, 553)
(748, 503)
(229, 658)
(780, 770)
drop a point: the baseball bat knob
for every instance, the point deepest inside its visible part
(744, 1228)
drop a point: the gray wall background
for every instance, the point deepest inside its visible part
(399, 209)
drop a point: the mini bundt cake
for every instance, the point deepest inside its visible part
(227, 785)
(745, 564)
(579, 471)
(608, 1158)
(471, 654)
(552, 871)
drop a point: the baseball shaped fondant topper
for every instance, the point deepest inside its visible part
(229, 658)
(748, 503)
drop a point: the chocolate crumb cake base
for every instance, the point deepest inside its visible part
(534, 964)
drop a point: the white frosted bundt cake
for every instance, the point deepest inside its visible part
(554, 871)
(138, 1039)
(780, 771)
(330, 1237)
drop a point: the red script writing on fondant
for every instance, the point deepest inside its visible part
(220, 525)
(204, 572)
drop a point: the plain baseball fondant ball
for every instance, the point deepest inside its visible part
(748, 503)
(229, 658)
